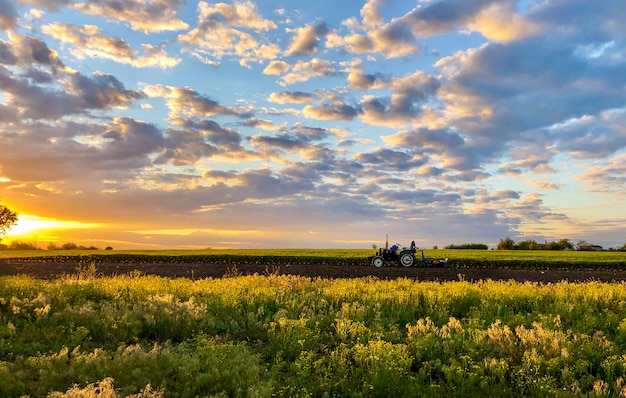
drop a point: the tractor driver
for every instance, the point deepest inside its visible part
(394, 248)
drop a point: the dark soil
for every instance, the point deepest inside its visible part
(206, 267)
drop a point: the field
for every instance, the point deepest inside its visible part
(536, 266)
(255, 330)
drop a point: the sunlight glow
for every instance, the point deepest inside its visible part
(27, 225)
(196, 231)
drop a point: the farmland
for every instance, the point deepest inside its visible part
(537, 266)
(260, 326)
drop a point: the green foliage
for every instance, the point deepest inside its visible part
(506, 244)
(285, 336)
(530, 244)
(468, 246)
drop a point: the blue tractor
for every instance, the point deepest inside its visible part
(402, 256)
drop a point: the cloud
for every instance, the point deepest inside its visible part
(8, 15)
(391, 159)
(228, 30)
(127, 138)
(101, 91)
(185, 103)
(144, 16)
(46, 89)
(407, 104)
(500, 22)
(185, 147)
(90, 41)
(263, 124)
(335, 111)
(53, 5)
(69, 157)
(307, 39)
(361, 81)
(299, 137)
(393, 39)
(607, 176)
(593, 137)
(295, 97)
(303, 71)
(27, 52)
(276, 68)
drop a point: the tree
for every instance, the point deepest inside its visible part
(7, 219)
(506, 244)
(566, 244)
(529, 244)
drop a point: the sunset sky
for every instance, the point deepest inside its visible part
(179, 124)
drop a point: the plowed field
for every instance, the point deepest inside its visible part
(206, 267)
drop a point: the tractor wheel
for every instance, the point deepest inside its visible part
(406, 259)
(378, 261)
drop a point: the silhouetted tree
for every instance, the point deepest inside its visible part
(19, 245)
(7, 219)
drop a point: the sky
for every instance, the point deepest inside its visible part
(173, 124)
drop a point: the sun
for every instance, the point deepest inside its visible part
(28, 225)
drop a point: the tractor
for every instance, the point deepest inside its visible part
(404, 256)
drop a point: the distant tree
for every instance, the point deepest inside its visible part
(563, 244)
(69, 246)
(81, 247)
(583, 245)
(529, 244)
(566, 244)
(472, 246)
(623, 248)
(108, 248)
(506, 244)
(19, 245)
(7, 219)
(435, 247)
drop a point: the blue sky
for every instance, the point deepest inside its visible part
(171, 124)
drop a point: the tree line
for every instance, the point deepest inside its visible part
(562, 244)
